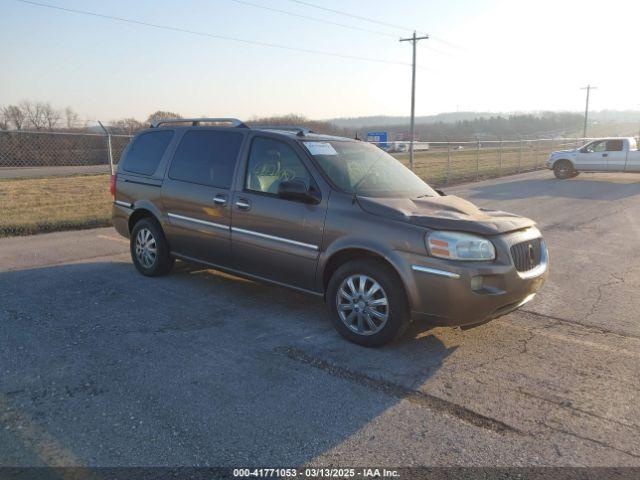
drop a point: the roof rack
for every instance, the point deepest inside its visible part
(196, 121)
(300, 131)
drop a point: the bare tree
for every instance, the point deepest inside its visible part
(15, 116)
(4, 122)
(33, 114)
(160, 114)
(127, 125)
(51, 116)
(71, 117)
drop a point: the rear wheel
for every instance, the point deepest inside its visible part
(367, 303)
(149, 248)
(563, 169)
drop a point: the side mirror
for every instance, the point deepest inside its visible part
(297, 191)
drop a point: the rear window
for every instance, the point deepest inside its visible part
(206, 157)
(614, 145)
(146, 152)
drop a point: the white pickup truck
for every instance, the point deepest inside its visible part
(602, 155)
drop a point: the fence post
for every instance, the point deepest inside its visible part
(109, 150)
(520, 157)
(500, 157)
(448, 162)
(478, 160)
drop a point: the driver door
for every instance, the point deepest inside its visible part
(593, 156)
(271, 237)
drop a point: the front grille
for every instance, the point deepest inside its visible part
(527, 255)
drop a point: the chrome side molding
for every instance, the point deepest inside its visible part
(434, 271)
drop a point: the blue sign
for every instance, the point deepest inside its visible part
(379, 138)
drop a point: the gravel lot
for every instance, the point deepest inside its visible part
(100, 366)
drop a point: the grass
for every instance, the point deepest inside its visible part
(39, 205)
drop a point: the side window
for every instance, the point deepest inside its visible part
(596, 147)
(271, 162)
(207, 157)
(614, 146)
(146, 152)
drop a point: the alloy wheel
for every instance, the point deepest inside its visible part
(363, 305)
(146, 248)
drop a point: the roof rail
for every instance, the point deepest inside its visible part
(300, 131)
(196, 121)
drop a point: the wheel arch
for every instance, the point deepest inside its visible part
(563, 159)
(138, 214)
(347, 254)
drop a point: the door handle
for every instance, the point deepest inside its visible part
(243, 204)
(220, 200)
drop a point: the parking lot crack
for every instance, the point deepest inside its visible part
(593, 328)
(417, 397)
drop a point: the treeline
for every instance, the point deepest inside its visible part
(41, 116)
(496, 127)
(30, 115)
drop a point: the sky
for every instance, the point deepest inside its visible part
(491, 55)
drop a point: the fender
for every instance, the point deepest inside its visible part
(356, 242)
(556, 160)
(144, 204)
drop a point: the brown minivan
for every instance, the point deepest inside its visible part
(330, 216)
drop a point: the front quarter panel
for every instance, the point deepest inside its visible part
(347, 226)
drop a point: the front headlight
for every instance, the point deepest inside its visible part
(459, 246)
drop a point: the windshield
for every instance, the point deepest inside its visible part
(364, 169)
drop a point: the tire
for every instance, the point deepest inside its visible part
(367, 321)
(147, 236)
(563, 169)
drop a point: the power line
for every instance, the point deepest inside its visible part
(315, 19)
(212, 35)
(372, 20)
(322, 20)
(359, 17)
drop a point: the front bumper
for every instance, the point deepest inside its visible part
(467, 293)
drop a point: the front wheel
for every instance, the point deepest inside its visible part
(149, 249)
(564, 169)
(367, 303)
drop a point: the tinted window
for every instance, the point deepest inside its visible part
(146, 152)
(614, 145)
(207, 157)
(271, 162)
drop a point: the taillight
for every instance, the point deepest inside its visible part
(112, 185)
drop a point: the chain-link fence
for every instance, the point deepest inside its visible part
(57, 149)
(439, 163)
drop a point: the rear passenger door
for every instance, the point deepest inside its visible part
(275, 238)
(616, 155)
(196, 194)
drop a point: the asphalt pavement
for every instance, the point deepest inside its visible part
(100, 366)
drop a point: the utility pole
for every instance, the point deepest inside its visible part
(588, 88)
(414, 39)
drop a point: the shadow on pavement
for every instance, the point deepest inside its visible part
(195, 368)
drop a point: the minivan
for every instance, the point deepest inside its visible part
(330, 216)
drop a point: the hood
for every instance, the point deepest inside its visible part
(445, 213)
(559, 152)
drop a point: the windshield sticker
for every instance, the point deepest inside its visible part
(320, 148)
